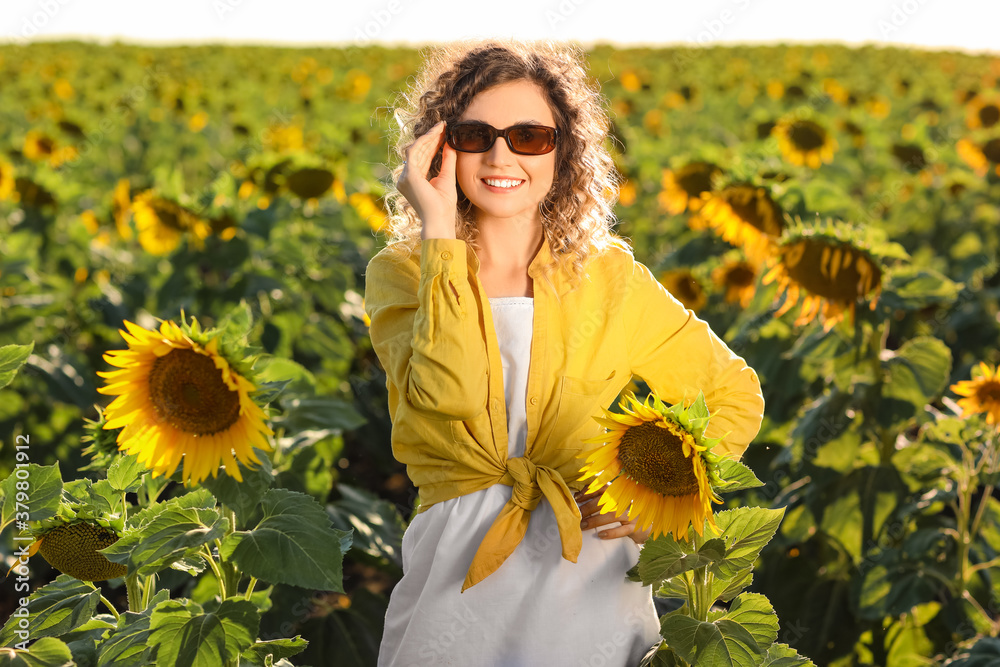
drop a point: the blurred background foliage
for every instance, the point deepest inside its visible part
(139, 182)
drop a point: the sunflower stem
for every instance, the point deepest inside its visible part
(111, 608)
(148, 586)
(250, 587)
(220, 580)
(134, 595)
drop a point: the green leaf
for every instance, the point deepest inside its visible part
(105, 499)
(174, 533)
(320, 412)
(754, 612)
(377, 524)
(736, 476)
(722, 643)
(914, 375)
(12, 357)
(664, 558)
(746, 530)
(984, 653)
(237, 323)
(184, 635)
(243, 497)
(54, 610)
(739, 637)
(276, 649)
(782, 655)
(733, 586)
(912, 288)
(46, 652)
(44, 490)
(128, 645)
(293, 544)
(661, 655)
(125, 473)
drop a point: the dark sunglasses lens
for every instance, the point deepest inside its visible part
(532, 140)
(471, 138)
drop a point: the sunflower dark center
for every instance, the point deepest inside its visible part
(740, 276)
(806, 136)
(989, 115)
(188, 391)
(168, 216)
(696, 178)
(654, 457)
(989, 392)
(991, 150)
(814, 269)
(755, 207)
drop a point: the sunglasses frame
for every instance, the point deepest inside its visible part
(505, 133)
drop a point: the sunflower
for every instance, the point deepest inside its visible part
(744, 215)
(682, 189)
(162, 223)
(179, 398)
(658, 464)
(982, 112)
(38, 146)
(805, 142)
(6, 181)
(981, 394)
(682, 284)
(121, 207)
(830, 267)
(980, 157)
(366, 207)
(72, 548)
(738, 278)
(310, 183)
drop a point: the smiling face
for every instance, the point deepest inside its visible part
(501, 184)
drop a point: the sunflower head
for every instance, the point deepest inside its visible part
(829, 267)
(72, 548)
(805, 142)
(683, 285)
(6, 180)
(738, 279)
(981, 393)
(983, 111)
(121, 207)
(184, 395)
(38, 146)
(659, 465)
(309, 183)
(162, 223)
(745, 215)
(682, 188)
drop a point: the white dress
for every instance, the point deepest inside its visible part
(537, 608)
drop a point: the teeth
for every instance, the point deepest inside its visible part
(501, 182)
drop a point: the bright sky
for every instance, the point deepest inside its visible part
(962, 24)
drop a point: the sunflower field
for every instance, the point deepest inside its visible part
(183, 239)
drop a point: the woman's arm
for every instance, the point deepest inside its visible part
(425, 330)
(677, 355)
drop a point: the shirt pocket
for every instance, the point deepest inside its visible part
(579, 403)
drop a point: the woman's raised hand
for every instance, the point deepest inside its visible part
(436, 200)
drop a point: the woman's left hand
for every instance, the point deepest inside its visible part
(593, 517)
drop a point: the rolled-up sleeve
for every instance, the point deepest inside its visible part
(425, 330)
(677, 354)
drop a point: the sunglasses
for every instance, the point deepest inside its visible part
(521, 139)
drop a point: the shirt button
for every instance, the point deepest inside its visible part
(533, 400)
(446, 255)
(496, 405)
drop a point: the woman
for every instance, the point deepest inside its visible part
(505, 314)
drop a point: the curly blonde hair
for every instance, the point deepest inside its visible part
(578, 211)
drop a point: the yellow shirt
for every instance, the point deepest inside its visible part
(432, 330)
